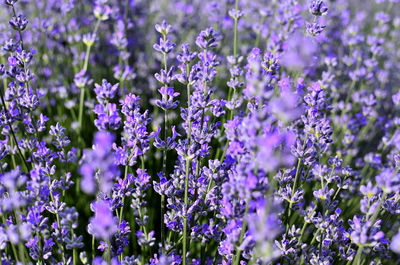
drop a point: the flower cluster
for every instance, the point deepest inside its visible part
(199, 132)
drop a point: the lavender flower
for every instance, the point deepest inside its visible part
(271, 136)
(103, 225)
(318, 8)
(99, 169)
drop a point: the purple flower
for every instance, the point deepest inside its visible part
(18, 23)
(186, 56)
(102, 12)
(314, 29)
(169, 95)
(61, 139)
(35, 252)
(107, 117)
(388, 181)
(105, 92)
(10, 2)
(98, 168)
(362, 232)
(103, 225)
(164, 46)
(395, 245)
(318, 8)
(164, 28)
(207, 39)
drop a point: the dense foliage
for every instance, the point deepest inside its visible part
(200, 132)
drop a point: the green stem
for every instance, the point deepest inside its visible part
(122, 208)
(164, 151)
(244, 224)
(295, 184)
(108, 252)
(293, 190)
(236, 29)
(357, 259)
(185, 240)
(74, 256)
(82, 96)
(88, 48)
(304, 227)
(315, 236)
(21, 248)
(81, 104)
(188, 84)
(186, 244)
(93, 249)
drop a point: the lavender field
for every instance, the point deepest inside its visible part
(200, 132)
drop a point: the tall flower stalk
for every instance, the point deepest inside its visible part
(102, 13)
(165, 77)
